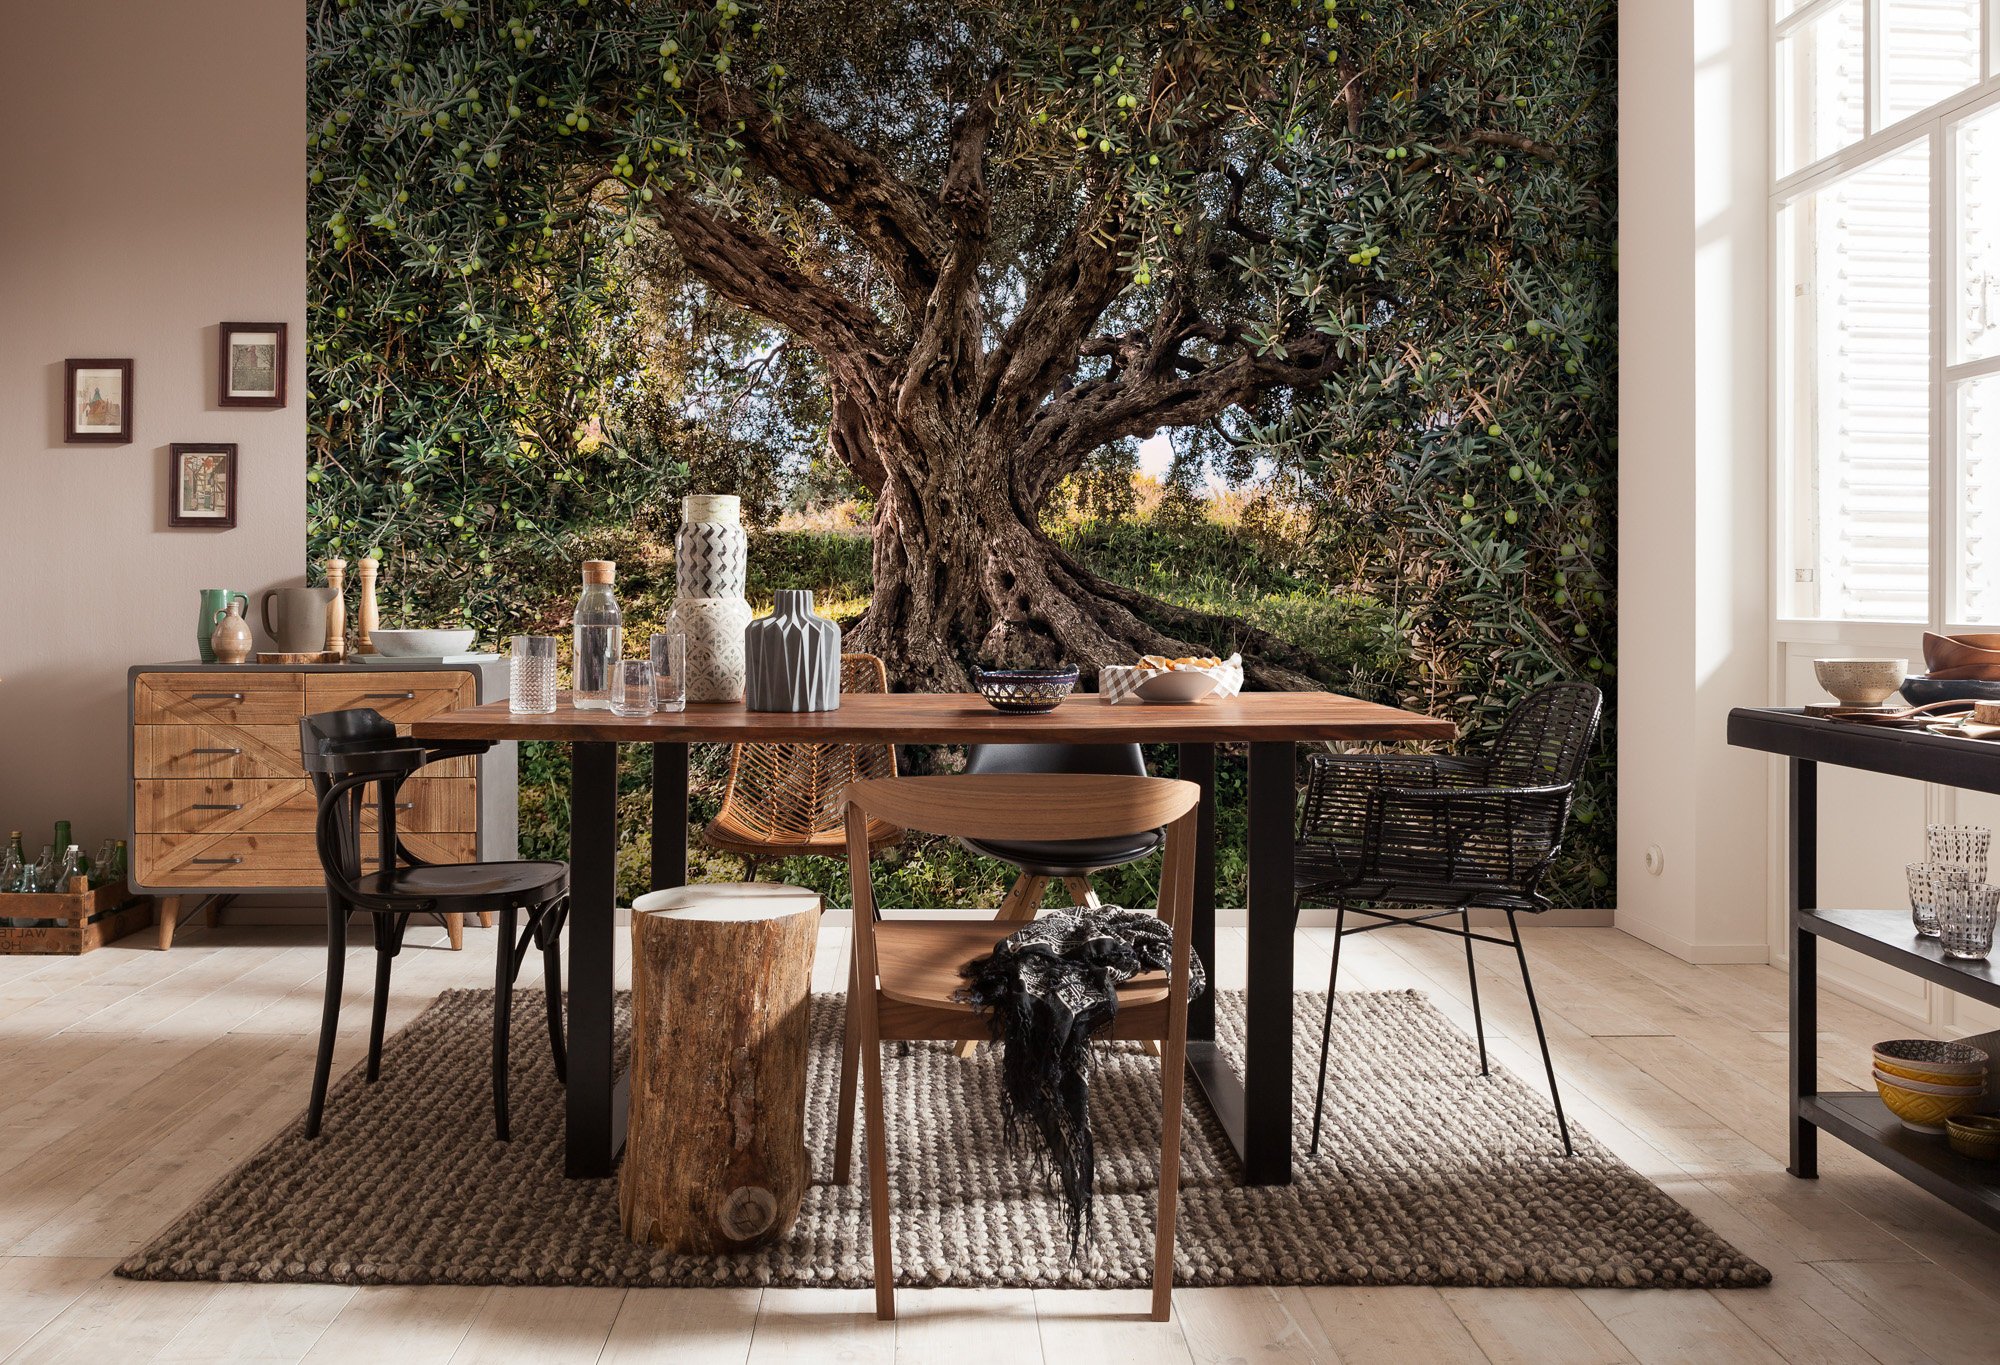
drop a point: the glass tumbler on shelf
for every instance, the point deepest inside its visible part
(632, 688)
(669, 653)
(1963, 846)
(1921, 913)
(532, 677)
(1965, 915)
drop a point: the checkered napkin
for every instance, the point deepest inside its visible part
(1118, 682)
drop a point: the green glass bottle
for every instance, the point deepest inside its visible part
(62, 837)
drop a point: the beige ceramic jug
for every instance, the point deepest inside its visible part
(231, 638)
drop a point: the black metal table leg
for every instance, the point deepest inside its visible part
(1802, 818)
(670, 816)
(1198, 767)
(1256, 1111)
(594, 1132)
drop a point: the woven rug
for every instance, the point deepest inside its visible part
(1428, 1174)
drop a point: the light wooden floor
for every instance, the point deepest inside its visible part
(132, 1079)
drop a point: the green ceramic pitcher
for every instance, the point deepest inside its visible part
(213, 602)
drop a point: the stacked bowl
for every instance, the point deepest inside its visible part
(1925, 1082)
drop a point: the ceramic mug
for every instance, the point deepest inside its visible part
(214, 601)
(300, 627)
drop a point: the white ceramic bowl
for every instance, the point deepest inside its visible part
(1177, 688)
(405, 644)
(1861, 682)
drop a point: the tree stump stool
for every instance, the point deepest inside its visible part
(715, 1147)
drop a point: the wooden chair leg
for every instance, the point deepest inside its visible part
(1081, 892)
(879, 1213)
(1173, 1075)
(1021, 902)
(454, 929)
(486, 919)
(850, 1062)
(329, 1018)
(167, 909)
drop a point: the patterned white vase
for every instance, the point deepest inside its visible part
(792, 658)
(711, 553)
(714, 630)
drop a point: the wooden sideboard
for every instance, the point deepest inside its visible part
(220, 806)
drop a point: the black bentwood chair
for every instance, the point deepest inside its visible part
(1460, 833)
(346, 751)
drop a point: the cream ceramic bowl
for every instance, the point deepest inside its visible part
(1861, 682)
(406, 644)
(1179, 687)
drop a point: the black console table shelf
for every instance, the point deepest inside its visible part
(1859, 1118)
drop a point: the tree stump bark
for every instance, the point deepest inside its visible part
(715, 1153)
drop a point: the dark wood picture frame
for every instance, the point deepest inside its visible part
(175, 515)
(120, 437)
(224, 396)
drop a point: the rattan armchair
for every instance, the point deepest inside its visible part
(789, 799)
(1456, 833)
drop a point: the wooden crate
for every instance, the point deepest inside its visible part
(91, 919)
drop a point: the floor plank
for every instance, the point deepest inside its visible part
(35, 1290)
(540, 1326)
(257, 1324)
(1392, 1325)
(1535, 1327)
(413, 1325)
(800, 1326)
(966, 1327)
(114, 1321)
(685, 1326)
(1233, 1326)
(1107, 1327)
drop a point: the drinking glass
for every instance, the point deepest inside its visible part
(1963, 846)
(1965, 915)
(533, 676)
(632, 688)
(1921, 913)
(669, 653)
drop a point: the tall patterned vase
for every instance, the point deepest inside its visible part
(711, 562)
(793, 658)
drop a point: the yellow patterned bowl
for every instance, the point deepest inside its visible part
(1975, 1135)
(1925, 1110)
(1932, 1060)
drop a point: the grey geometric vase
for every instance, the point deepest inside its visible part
(791, 658)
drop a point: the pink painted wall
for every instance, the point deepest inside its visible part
(152, 184)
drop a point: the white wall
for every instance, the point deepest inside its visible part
(152, 185)
(1693, 619)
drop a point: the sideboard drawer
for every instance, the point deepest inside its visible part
(402, 697)
(208, 751)
(217, 698)
(255, 805)
(225, 860)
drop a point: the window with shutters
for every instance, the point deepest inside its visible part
(1887, 321)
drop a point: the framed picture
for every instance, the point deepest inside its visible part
(251, 371)
(201, 486)
(99, 396)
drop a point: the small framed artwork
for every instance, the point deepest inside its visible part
(201, 486)
(99, 395)
(251, 370)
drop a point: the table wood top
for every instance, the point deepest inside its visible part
(958, 718)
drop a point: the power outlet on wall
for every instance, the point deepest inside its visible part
(1656, 859)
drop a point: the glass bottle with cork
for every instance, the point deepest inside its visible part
(599, 637)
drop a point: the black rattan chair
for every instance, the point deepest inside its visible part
(1458, 833)
(346, 751)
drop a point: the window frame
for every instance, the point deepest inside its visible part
(1935, 123)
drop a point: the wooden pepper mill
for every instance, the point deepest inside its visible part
(367, 616)
(336, 609)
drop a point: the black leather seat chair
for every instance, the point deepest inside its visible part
(345, 752)
(1072, 860)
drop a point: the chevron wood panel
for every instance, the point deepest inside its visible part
(286, 806)
(209, 751)
(397, 696)
(240, 859)
(207, 698)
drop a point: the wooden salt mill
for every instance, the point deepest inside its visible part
(367, 617)
(336, 609)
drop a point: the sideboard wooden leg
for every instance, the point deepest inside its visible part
(168, 909)
(213, 915)
(454, 927)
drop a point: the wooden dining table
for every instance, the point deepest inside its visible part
(1254, 1109)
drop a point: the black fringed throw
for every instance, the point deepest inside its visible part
(1048, 988)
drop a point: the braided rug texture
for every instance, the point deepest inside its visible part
(1428, 1174)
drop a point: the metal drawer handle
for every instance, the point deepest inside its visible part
(215, 751)
(215, 696)
(215, 860)
(210, 805)
(388, 696)
(406, 805)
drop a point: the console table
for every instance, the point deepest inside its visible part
(1859, 1118)
(219, 805)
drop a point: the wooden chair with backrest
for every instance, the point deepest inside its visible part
(906, 971)
(788, 799)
